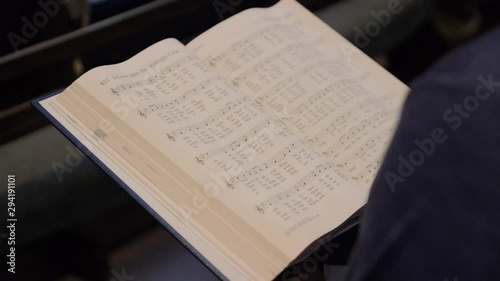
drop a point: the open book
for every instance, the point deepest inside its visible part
(257, 138)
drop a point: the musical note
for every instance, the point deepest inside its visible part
(353, 132)
(379, 139)
(276, 55)
(289, 192)
(211, 119)
(144, 112)
(262, 33)
(294, 77)
(376, 119)
(154, 78)
(278, 157)
(364, 174)
(235, 144)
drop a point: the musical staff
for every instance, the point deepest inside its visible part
(378, 118)
(370, 169)
(295, 76)
(235, 144)
(117, 90)
(211, 119)
(365, 147)
(144, 112)
(278, 157)
(289, 192)
(329, 129)
(337, 88)
(276, 55)
(271, 31)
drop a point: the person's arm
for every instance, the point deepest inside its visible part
(433, 213)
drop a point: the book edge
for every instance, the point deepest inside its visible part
(37, 104)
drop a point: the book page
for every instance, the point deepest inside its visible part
(141, 187)
(338, 100)
(237, 174)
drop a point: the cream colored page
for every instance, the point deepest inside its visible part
(240, 154)
(334, 97)
(141, 186)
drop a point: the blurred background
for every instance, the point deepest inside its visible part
(80, 225)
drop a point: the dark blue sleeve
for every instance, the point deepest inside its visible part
(434, 209)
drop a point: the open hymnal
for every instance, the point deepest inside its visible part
(258, 137)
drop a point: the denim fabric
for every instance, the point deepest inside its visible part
(434, 209)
